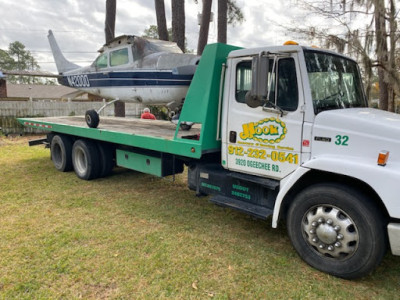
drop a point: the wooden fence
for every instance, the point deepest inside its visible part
(10, 110)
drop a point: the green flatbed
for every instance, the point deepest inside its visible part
(154, 135)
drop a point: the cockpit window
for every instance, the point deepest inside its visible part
(101, 61)
(119, 57)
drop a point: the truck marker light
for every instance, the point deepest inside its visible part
(306, 143)
(290, 43)
(383, 158)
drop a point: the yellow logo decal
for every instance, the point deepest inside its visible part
(268, 130)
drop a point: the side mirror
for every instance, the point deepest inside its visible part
(259, 85)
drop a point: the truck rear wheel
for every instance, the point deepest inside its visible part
(106, 159)
(337, 230)
(85, 159)
(60, 151)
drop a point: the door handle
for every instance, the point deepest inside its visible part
(232, 137)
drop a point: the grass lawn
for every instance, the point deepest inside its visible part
(135, 236)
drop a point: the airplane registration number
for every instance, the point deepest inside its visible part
(78, 81)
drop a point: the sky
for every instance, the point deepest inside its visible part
(78, 25)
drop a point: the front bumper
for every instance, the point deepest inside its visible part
(394, 237)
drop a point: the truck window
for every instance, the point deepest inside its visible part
(101, 61)
(243, 80)
(119, 57)
(335, 81)
(287, 96)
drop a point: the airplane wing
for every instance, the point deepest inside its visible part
(4, 73)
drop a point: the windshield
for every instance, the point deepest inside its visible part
(334, 81)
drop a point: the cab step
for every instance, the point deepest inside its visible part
(246, 207)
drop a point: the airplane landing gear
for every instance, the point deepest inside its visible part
(92, 118)
(186, 125)
(183, 125)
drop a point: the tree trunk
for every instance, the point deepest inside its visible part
(381, 52)
(204, 26)
(111, 7)
(111, 10)
(178, 23)
(222, 20)
(161, 21)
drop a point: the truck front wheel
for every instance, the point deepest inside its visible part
(85, 158)
(337, 230)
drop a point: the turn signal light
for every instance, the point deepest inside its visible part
(383, 158)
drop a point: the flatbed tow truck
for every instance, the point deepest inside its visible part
(279, 131)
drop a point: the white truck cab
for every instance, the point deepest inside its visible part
(299, 116)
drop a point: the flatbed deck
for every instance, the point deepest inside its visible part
(155, 135)
(156, 128)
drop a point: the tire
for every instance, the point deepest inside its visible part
(61, 152)
(92, 118)
(106, 159)
(49, 138)
(185, 126)
(85, 159)
(337, 230)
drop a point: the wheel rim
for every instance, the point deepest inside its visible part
(80, 161)
(88, 119)
(57, 155)
(330, 232)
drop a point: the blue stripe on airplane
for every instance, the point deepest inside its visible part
(104, 79)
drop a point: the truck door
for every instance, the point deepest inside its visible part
(264, 140)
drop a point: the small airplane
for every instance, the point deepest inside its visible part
(129, 68)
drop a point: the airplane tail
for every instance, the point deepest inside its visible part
(63, 65)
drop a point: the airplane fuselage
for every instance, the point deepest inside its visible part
(149, 86)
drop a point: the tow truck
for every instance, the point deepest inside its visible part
(283, 133)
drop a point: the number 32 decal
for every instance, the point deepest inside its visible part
(341, 140)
